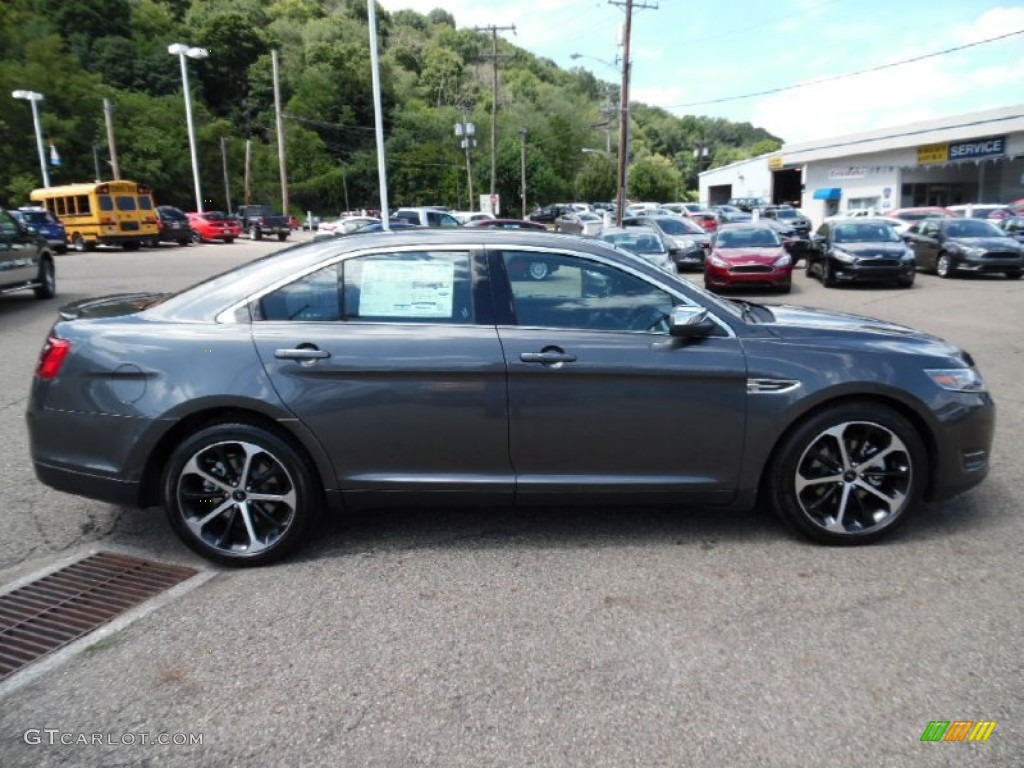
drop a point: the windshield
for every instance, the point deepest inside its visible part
(788, 213)
(973, 228)
(638, 242)
(755, 237)
(864, 233)
(677, 226)
(34, 217)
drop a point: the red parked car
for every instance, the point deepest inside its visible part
(748, 255)
(213, 225)
(708, 220)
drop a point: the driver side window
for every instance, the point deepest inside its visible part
(555, 291)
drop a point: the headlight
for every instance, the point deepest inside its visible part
(843, 256)
(908, 254)
(957, 379)
(718, 261)
(975, 251)
(783, 261)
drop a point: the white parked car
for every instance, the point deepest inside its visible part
(344, 225)
(467, 216)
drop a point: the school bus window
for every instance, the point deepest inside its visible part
(106, 204)
(82, 204)
(145, 202)
(125, 203)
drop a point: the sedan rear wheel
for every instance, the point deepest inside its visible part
(848, 475)
(944, 266)
(239, 494)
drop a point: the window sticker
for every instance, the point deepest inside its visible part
(407, 289)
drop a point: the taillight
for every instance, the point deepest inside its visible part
(52, 358)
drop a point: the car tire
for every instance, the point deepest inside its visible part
(130, 246)
(944, 267)
(1013, 275)
(185, 241)
(906, 282)
(47, 287)
(282, 236)
(785, 287)
(823, 481)
(255, 234)
(197, 238)
(538, 270)
(78, 243)
(828, 275)
(229, 239)
(204, 474)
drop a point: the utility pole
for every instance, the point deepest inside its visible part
(224, 162)
(280, 134)
(522, 167)
(248, 171)
(493, 56)
(466, 132)
(108, 116)
(620, 202)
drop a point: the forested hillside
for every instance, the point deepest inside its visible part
(78, 53)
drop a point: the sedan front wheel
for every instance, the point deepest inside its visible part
(848, 475)
(239, 494)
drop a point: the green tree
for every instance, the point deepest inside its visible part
(597, 178)
(655, 178)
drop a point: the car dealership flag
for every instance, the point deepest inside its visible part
(54, 157)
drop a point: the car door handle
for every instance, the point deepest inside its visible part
(301, 353)
(547, 357)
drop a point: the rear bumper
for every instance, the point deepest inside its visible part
(108, 489)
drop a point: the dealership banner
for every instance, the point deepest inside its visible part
(975, 149)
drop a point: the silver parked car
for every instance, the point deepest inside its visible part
(410, 367)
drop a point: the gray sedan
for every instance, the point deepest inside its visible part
(408, 367)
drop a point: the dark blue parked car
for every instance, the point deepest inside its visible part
(45, 223)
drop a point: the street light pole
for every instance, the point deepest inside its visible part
(522, 167)
(466, 131)
(181, 51)
(34, 98)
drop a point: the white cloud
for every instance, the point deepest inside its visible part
(993, 23)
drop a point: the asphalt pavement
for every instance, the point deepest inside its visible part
(545, 637)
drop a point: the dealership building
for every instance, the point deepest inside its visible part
(972, 158)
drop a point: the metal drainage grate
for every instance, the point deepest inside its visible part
(51, 612)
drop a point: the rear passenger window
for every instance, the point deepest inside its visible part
(417, 287)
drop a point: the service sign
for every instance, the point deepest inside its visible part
(993, 146)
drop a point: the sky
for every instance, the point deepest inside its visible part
(688, 54)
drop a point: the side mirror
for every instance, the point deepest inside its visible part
(690, 323)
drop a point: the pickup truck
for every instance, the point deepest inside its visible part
(260, 220)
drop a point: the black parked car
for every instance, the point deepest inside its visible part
(408, 368)
(174, 226)
(949, 246)
(858, 250)
(549, 213)
(26, 259)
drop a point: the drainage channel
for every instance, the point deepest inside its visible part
(48, 613)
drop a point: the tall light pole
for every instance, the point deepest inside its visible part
(181, 51)
(522, 167)
(34, 98)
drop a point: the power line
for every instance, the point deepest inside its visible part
(833, 78)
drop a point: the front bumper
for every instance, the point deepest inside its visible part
(866, 271)
(964, 445)
(721, 277)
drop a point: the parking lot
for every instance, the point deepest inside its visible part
(542, 637)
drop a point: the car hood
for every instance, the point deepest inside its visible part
(988, 243)
(110, 306)
(873, 249)
(751, 255)
(814, 320)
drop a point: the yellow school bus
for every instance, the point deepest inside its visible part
(108, 212)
